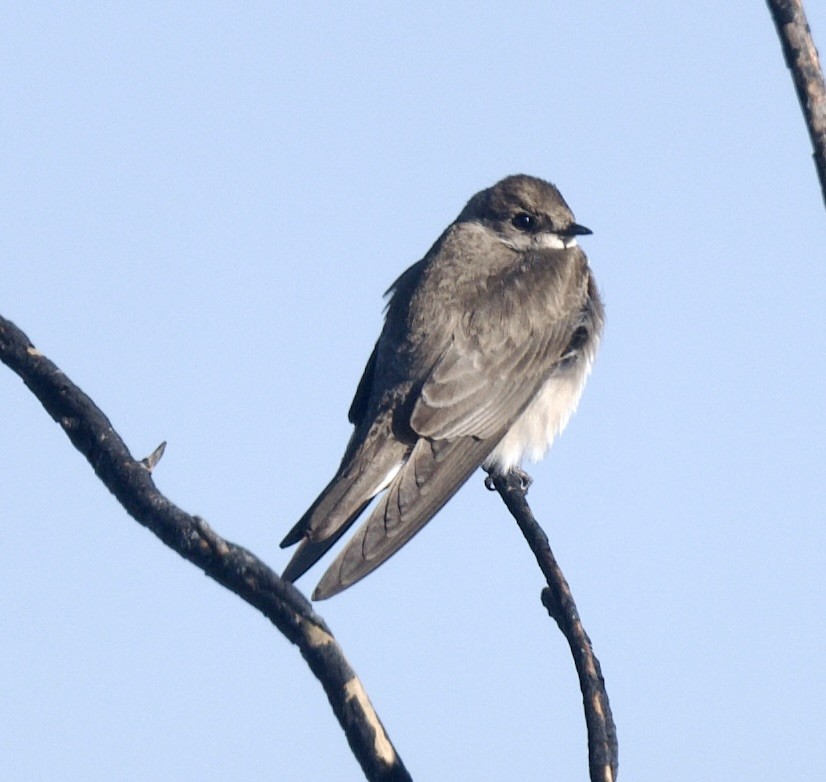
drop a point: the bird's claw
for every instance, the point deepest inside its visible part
(515, 478)
(518, 479)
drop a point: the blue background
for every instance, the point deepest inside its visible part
(201, 207)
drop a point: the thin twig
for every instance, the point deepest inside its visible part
(559, 602)
(230, 565)
(802, 60)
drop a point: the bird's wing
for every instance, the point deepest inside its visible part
(373, 453)
(471, 393)
(361, 399)
(310, 551)
(341, 503)
(429, 478)
(493, 358)
(373, 457)
(463, 410)
(503, 351)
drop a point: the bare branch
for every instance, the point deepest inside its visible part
(230, 565)
(559, 602)
(802, 60)
(151, 461)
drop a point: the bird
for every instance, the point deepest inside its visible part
(486, 346)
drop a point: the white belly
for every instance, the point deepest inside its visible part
(533, 432)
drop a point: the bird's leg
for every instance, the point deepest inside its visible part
(516, 478)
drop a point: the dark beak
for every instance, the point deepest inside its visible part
(575, 229)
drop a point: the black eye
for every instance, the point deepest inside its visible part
(524, 222)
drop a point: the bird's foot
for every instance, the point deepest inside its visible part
(518, 479)
(515, 478)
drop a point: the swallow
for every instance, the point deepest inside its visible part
(486, 346)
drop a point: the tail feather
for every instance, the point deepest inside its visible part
(310, 551)
(341, 503)
(331, 501)
(431, 476)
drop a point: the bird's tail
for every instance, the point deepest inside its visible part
(343, 500)
(331, 501)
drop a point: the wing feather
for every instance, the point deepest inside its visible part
(497, 388)
(461, 406)
(431, 476)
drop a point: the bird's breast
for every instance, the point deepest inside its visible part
(544, 418)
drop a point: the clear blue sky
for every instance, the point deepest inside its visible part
(201, 208)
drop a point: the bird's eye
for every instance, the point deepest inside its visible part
(524, 222)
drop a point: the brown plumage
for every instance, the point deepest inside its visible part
(486, 346)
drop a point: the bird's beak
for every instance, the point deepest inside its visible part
(575, 229)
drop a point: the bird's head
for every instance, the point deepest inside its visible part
(525, 213)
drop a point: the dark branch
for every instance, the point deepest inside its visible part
(231, 566)
(802, 60)
(559, 602)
